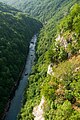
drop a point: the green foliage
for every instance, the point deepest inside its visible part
(62, 90)
(72, 21)
(43, 10)
(64, 111)
(16, 31)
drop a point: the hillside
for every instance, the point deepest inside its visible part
(53, 91)
(16, 31)
(43, 9)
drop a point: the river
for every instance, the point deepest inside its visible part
(16, 102)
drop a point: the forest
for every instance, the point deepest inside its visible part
(55, 76)
(43, 10)
(16, 31)
(58, 46)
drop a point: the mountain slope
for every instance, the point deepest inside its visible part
(16, 31)
(56, 74)
(43, 10)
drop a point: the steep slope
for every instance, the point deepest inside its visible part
(56, 74)
(43, 9)
(16, 31)
(7, 8)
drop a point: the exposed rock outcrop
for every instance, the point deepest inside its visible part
(63, 42)
(50, 70)
(38, 110)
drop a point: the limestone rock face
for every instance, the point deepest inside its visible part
(50, 70)
(38, 110)
(63, 42)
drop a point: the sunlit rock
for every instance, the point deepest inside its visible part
(50, 70)
(62, 41)
(38, 110)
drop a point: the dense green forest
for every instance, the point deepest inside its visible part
(16, 31)
(43, 9)
(55, 77)
(58, 46)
